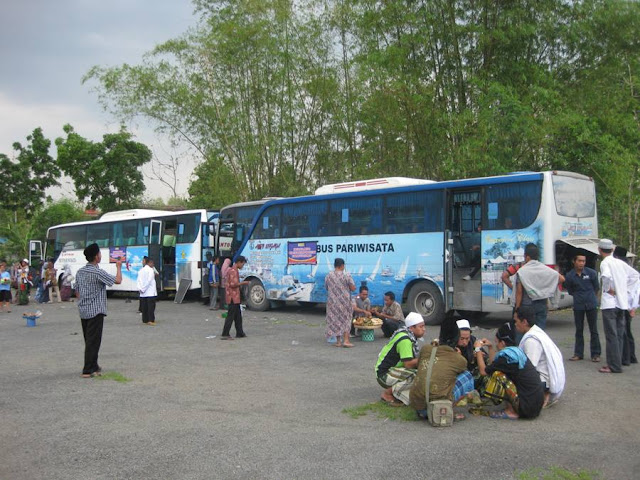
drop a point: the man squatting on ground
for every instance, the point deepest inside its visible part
(544, 355)
(450, 379)
(91, 290)
(397, 360)
(391, 315)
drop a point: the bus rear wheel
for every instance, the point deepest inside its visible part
(257, 296)
(425, 298)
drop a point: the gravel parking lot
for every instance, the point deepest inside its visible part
(270, 405)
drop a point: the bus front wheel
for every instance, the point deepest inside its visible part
(257, 296)
(425, 298)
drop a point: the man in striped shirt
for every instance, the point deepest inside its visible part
(91, 290)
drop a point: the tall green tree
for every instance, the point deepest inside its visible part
(24, 181)
(105, 174)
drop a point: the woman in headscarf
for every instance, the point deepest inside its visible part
(511, 377)
(226, 265)
(67, 279)
(339, 285)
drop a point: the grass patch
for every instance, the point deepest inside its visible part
(115, 376)
(383, 410)
(558, 473)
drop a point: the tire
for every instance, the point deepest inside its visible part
(257, 296)
(426, 299)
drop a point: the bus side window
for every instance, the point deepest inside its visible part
(512, 205)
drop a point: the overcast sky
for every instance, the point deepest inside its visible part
(47, 46)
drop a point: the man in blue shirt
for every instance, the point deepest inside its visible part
(582, 284)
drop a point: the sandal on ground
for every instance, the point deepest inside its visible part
(595, 359)
(575, 358)
(394, 403)
(459, 417)
(348, 345)
(605, 369)
(501, 415)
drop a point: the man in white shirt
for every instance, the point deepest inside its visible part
(616, 277)
(148, 293)
(543, 354)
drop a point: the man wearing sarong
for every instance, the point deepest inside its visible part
(339, 285)
(511, 377)
(397, 361)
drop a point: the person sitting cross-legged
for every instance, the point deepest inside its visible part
(511, 377)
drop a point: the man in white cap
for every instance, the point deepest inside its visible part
(397, 361)
(465, 345)
(614, 301)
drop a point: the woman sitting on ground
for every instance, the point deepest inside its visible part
(511, 377)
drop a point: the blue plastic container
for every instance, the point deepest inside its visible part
(31, 320)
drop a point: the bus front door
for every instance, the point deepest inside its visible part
(208, 248)
(155, 251)
(464, 222)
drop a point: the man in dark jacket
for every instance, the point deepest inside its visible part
(582, 284)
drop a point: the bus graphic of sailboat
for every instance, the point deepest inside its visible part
(372, 277)
(403, 270)
(387, 271)
(314, 269)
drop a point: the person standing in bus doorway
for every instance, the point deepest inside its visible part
(147, 287)
(628, 346)
(213, 279)
(339, 285)
(614, 302)
(536, 283)
(91, 290)
(232, 291)
(476, 254)
(391, 315)
(582, 284)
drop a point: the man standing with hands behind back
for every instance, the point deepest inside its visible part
(91, 290)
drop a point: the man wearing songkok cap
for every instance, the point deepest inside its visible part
(91, 290)
(616, 277)
(397, 361)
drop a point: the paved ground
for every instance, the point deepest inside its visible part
(269, 406)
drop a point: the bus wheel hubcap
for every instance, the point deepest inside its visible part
(425, 303)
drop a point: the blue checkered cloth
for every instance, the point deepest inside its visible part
(464, 385)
